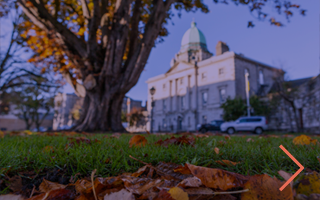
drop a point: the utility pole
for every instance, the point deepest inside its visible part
(247, 92)
(196, 94)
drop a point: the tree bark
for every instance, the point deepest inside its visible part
(101, 114)
(106, 75)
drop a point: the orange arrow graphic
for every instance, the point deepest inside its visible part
(295, 174)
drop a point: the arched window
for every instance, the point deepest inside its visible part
(261, 78)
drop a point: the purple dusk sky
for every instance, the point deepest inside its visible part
(296, 45)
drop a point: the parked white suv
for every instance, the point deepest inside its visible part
(256, 124)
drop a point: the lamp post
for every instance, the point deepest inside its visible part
(152, 91)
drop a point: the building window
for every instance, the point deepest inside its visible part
(181, 81)
(203, 76)
(261, 78)
(204, 119)
(164, 123)
(204, 98)
(164, 104)
(220, 71)
(182, 102)
(189, 122)
(222, 93)
(171, 101)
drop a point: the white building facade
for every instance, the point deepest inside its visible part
(198, 82)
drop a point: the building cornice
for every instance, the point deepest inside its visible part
(241, 57)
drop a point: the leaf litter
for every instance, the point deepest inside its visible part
(169, 180)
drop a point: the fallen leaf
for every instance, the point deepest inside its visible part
(217, 178)
(15, 183)
(202, 135)
(265, 187)
(286, 176)
(47, 186)
(61, 194)
(183, 169)
(1, 134)
(139, 185)
(48, 149)
(115, 135)
(309, 183)
(190, 182)
(178, 194)
(216, 149)
(227, 137)
(148, 133)
(227, 163)
(250, 139)
(11, 197)
(164, 195)
(176, 140)
(122, 194)
(303, 140)
(137, 140)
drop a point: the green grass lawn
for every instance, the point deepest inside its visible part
(263, 155)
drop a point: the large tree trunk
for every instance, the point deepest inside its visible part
(109, 69)
(101, 112)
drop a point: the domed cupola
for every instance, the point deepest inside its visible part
(193, 39)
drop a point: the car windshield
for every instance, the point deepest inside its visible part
(213, 122)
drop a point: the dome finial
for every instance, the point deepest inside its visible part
(193, 23)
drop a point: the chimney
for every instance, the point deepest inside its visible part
(221, 48)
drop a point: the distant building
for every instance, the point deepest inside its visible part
(67, 108)
(198, 82)
(307, 107)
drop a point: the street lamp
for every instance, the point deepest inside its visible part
(152, 91)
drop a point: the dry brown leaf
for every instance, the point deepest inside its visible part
(115, 135)
(227, 163)
(183, 169)
(61, 194)
(190, 182)
(176, 140)
(148, 133)
(48, 149)
(265, 187)
(286, 176)
(167, 170)
(15, 183)
(11, 197)
(217, 178)
(250, 139)
(202, 135)
(164, 195)
(47, 186)
(82, 185)
(304, 140)
(122, 194)
(216, 149)
(227, 137)
(1, 134)
(309, 183)
(139, 185)
(137, 140)
(178, 194)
